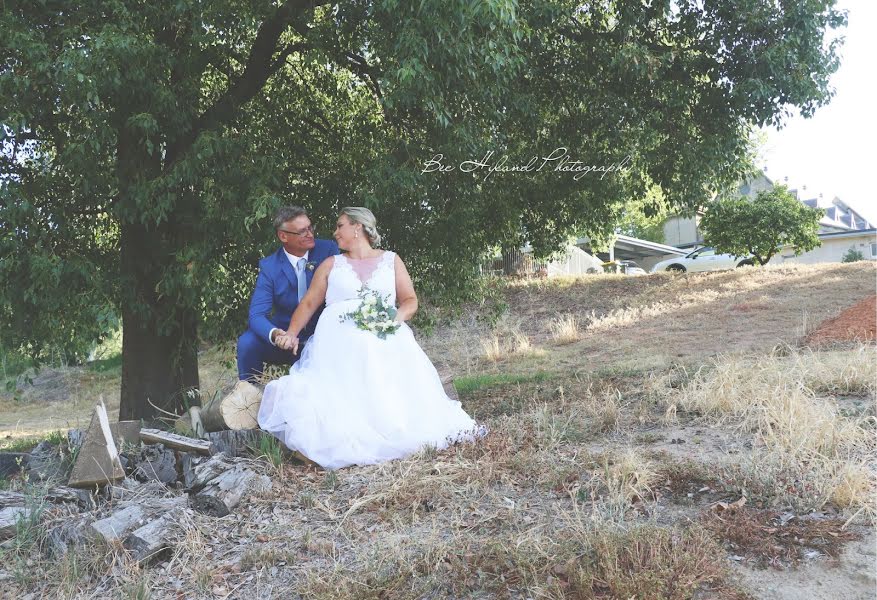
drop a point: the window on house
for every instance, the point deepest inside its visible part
(873, 250)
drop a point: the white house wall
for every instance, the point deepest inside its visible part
(681, 231)
(830, 251)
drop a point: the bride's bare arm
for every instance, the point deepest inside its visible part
(313, 298)
(405, 295)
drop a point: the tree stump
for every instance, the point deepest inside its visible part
(236, 442)
(237, 410)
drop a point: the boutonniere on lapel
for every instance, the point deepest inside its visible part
(310, 266)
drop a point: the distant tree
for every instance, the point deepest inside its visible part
(760, 227)
(853, 255)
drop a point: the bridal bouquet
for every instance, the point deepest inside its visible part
(375, 314)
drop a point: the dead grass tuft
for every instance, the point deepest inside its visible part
(565, 329)
(781, 398)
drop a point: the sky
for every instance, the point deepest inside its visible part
(833, 151)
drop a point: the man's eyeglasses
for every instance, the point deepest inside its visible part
(303, 232)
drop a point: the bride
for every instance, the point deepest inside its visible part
(354, 398)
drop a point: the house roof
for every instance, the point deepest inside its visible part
(833, 235)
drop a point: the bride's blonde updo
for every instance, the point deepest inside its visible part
(365, 217)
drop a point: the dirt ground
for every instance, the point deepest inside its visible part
(858, 323)
(672, 410)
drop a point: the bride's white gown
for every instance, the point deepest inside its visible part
(353, 398)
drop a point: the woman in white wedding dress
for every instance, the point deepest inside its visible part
(353, 398)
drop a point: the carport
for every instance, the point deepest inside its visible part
(643, 252)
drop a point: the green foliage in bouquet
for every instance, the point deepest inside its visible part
(375, 314)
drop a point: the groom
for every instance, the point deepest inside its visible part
(283, 279)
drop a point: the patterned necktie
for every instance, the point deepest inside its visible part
(302, 280)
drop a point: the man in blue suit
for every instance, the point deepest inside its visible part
(283, 279)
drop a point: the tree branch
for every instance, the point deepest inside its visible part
(261, 64)
(366, 72)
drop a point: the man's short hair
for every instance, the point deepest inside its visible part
(287, 213)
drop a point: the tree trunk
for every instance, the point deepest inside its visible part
(159, 339)
(159, 332)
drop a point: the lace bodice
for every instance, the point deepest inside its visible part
(345, 284)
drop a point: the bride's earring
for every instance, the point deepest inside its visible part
(356, 234)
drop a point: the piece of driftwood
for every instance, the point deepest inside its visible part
(147, 541)
(173, 440)
(225, 491)
(236, 442)
(236, 410)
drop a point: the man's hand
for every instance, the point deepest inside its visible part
(282, 341)
(286, 341)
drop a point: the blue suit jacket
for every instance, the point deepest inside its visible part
(276, 295)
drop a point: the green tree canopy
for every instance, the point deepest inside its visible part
(145, 146)
(762, 226)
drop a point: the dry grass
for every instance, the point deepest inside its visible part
(565, 329)
(576, 492)
(653, 322)
(783, 399)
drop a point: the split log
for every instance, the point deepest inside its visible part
(236, 442)
(188, 462)
(135, 514)
(119, 523)
(70, 534)
(9, 518)
(75, 437)
(55, 495)
(125, 432)
(97, 462)
(195, 420)
(204, 471)
(45, 463)
(147, 541)
(236, 410)
(172, 440)
(155, 463)
(225, 491)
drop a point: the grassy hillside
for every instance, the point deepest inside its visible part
(655, 437)
(552, 326)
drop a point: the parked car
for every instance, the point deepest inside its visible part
(629, 267)
(703, 259)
